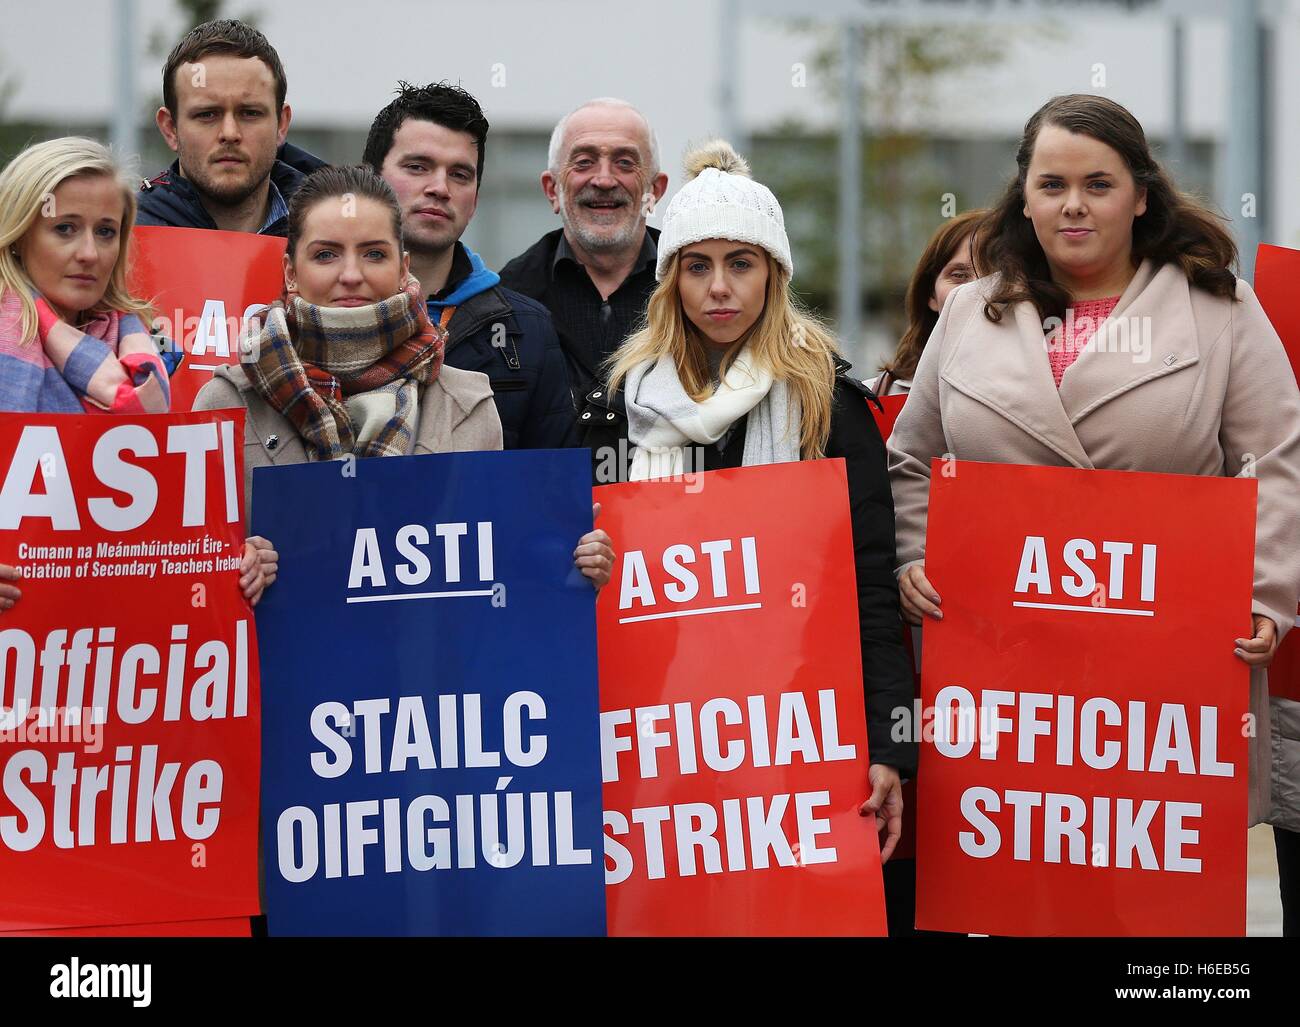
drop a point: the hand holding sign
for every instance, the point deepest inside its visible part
(9, 594)
(886, 803)
(1258, 651)
(595, 554)
(917, 595)
(259, 567)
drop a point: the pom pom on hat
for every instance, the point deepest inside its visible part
(716, 154)
(721, 201)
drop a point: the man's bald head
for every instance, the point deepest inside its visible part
(603, 176)
(606, 115)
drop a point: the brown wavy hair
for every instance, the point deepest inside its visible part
(1177, 228)
(943, 246)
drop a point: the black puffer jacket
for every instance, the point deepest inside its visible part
(886, 673)
(532, 273)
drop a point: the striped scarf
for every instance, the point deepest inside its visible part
(109, 364)
(348, 378)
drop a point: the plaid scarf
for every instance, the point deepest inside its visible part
(349, 378)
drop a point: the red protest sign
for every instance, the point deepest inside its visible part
(893, 406)
(906, 847)
(204, 286)
(1277, 274)
(1284, 671)
(733, 735)
(1085, 769)
(129, 717)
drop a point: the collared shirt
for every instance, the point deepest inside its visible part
(276, 208)
(596, 326)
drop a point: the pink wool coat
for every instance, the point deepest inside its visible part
(1214, 395)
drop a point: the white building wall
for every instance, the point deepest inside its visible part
(529, 62)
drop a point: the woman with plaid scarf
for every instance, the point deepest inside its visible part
(347, 362)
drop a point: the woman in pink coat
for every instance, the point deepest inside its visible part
(1091, 228)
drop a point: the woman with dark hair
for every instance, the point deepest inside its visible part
(347, 362)
(1023, 366)
(948, 261)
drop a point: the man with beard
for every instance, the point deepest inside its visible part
(597, 272)
(225, 117)
(429, 145)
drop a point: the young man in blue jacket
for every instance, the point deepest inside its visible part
(428, 144)
(225, 117)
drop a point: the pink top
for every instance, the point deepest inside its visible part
(1081, 320)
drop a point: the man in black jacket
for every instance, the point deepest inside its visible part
(225, 117)
(596, 273)
(428, 144)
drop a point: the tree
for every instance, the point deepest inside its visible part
(8, 86)
(13, 137)
(904, 180)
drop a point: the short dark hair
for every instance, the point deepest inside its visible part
(329, 182)
(229, 37)
(440, 102)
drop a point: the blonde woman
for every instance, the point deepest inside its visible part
(727, 372)
(72, 337)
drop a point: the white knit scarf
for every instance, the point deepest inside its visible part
(662, 418)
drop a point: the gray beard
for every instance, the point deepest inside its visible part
(598, 243)
(601, 243)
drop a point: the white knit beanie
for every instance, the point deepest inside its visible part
(721, 201)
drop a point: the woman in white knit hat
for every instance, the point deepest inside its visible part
(728, 372)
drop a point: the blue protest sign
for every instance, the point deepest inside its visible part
(430, 747)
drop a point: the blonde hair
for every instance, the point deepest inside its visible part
(787, 340)
(791, 343)
(27, 185)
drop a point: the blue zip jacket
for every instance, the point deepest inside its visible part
(511, 339)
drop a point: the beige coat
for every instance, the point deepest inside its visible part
(456, 414)
(1215, 395)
